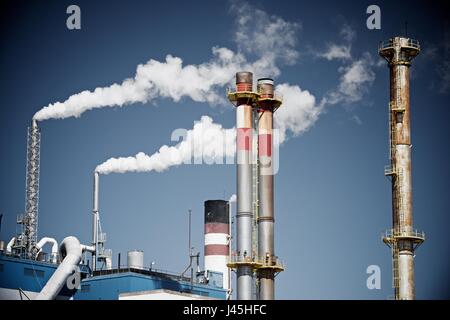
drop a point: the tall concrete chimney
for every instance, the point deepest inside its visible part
(402, 238)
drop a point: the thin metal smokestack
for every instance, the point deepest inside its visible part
(402, 238)
(95, 219)
(268, 262)
(243, 98)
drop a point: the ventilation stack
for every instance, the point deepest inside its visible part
(244, 98)
(255, 249)
(95, 220)
(268, 263)
(217, 228)
(99, 251)
(402, 238)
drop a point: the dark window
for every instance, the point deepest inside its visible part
(1, 267)
(33, 272)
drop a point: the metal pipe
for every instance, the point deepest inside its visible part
(230, 245)
(266, 276)
(95, 220)
(54, 243)
(266, 214)
(71, 252)
(87, 248)
(189, 246)
(399, 53)
(244, 211)
(9, 245)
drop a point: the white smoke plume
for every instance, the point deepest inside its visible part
(264, 43)
(233, 198)
(299, 110)
(268, 40)
(211, 143)
(154, 79)
(205, 142)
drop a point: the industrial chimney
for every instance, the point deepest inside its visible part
(26, 242)
(244, 98)
(95, 219)
(98, 250)
(254, 189)
(268, 263)
(402, 238)
(217, 228)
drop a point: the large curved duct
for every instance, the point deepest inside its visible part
(54, 243)
(70, 250)
(9, 245)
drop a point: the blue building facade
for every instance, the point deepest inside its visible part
(110, 286)
(22, 279)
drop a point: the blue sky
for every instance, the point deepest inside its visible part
(332, 200)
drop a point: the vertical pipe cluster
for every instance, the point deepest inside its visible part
(403, 239)
(32, 187)
(95, 220)
(244, 212)
(261, 104)
(217, 226)
(265, 189)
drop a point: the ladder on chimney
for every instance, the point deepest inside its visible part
(255, 181)
(395, 274)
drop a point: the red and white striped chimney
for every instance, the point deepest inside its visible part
(217, 224)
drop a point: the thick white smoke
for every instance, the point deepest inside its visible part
(208, 142)
(269, 40)
(154, 79)
(205, 142)
(299, 111)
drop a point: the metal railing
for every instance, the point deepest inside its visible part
(388, 170)
(276, 95)
(412, 43)
(240, 259)
(385, 44)
(270, 261)
(261, 261)
(102, 237)
(106, 253)
(21, 218)
(394, 233)
(146, 271)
